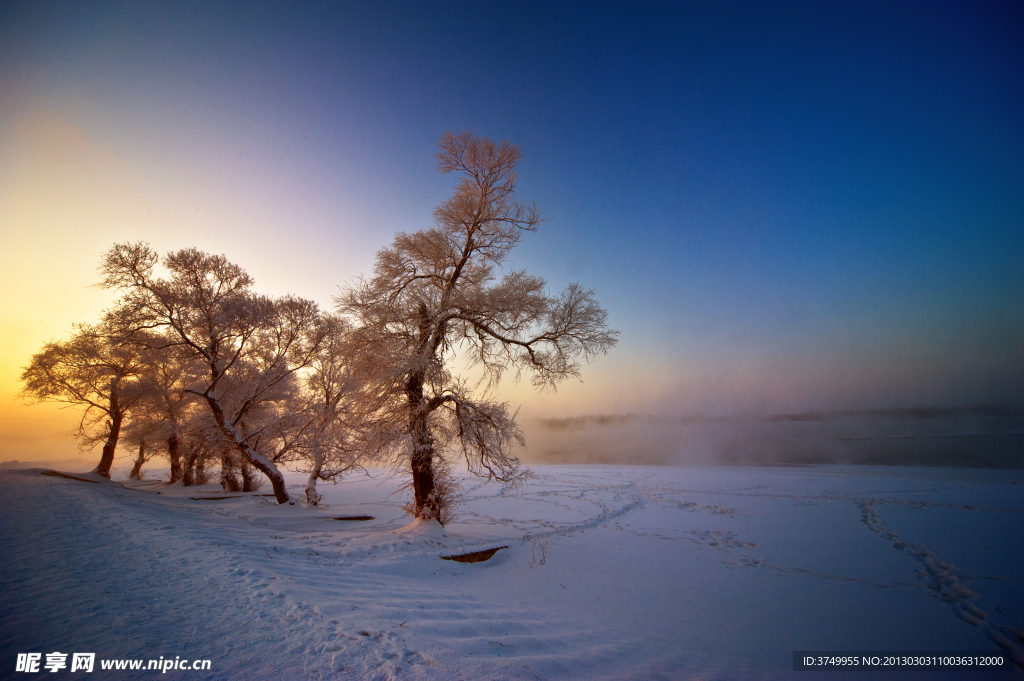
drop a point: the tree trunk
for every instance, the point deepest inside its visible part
(228, 479)
(107, 458)
(260, 462)
(423, 485)
(312, 498)
(172, 454)
(139, 460)
(247, 477)
(422, 457)
(189, 470)
(423, 467)
(275, 477)
(199, 476)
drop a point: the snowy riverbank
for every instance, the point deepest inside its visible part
(610, 572)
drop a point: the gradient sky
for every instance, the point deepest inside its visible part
(783, 206)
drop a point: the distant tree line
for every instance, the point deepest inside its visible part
(192, 364)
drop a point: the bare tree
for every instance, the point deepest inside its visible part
(94, 369)
(443, 290)
(251, 346)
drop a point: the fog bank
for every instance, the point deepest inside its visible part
(975, 437)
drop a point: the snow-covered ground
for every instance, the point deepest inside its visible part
(610, 572)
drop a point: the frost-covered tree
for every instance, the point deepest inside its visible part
(165, 409)
(95, 369)
(331, 440)
(251, 347)
(444, 290)
(142, 457)
(201, 441)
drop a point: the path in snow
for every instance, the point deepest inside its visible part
(97, 568)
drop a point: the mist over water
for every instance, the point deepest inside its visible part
(973, 437)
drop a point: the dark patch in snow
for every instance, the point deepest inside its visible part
(58, 474)
(475, 556)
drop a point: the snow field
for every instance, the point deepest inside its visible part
(611, 572)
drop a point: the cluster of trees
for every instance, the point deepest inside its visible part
(193, 364)
(198, 366)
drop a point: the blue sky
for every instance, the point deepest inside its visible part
(783, 206)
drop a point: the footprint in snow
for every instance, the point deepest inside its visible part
(720, 540)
